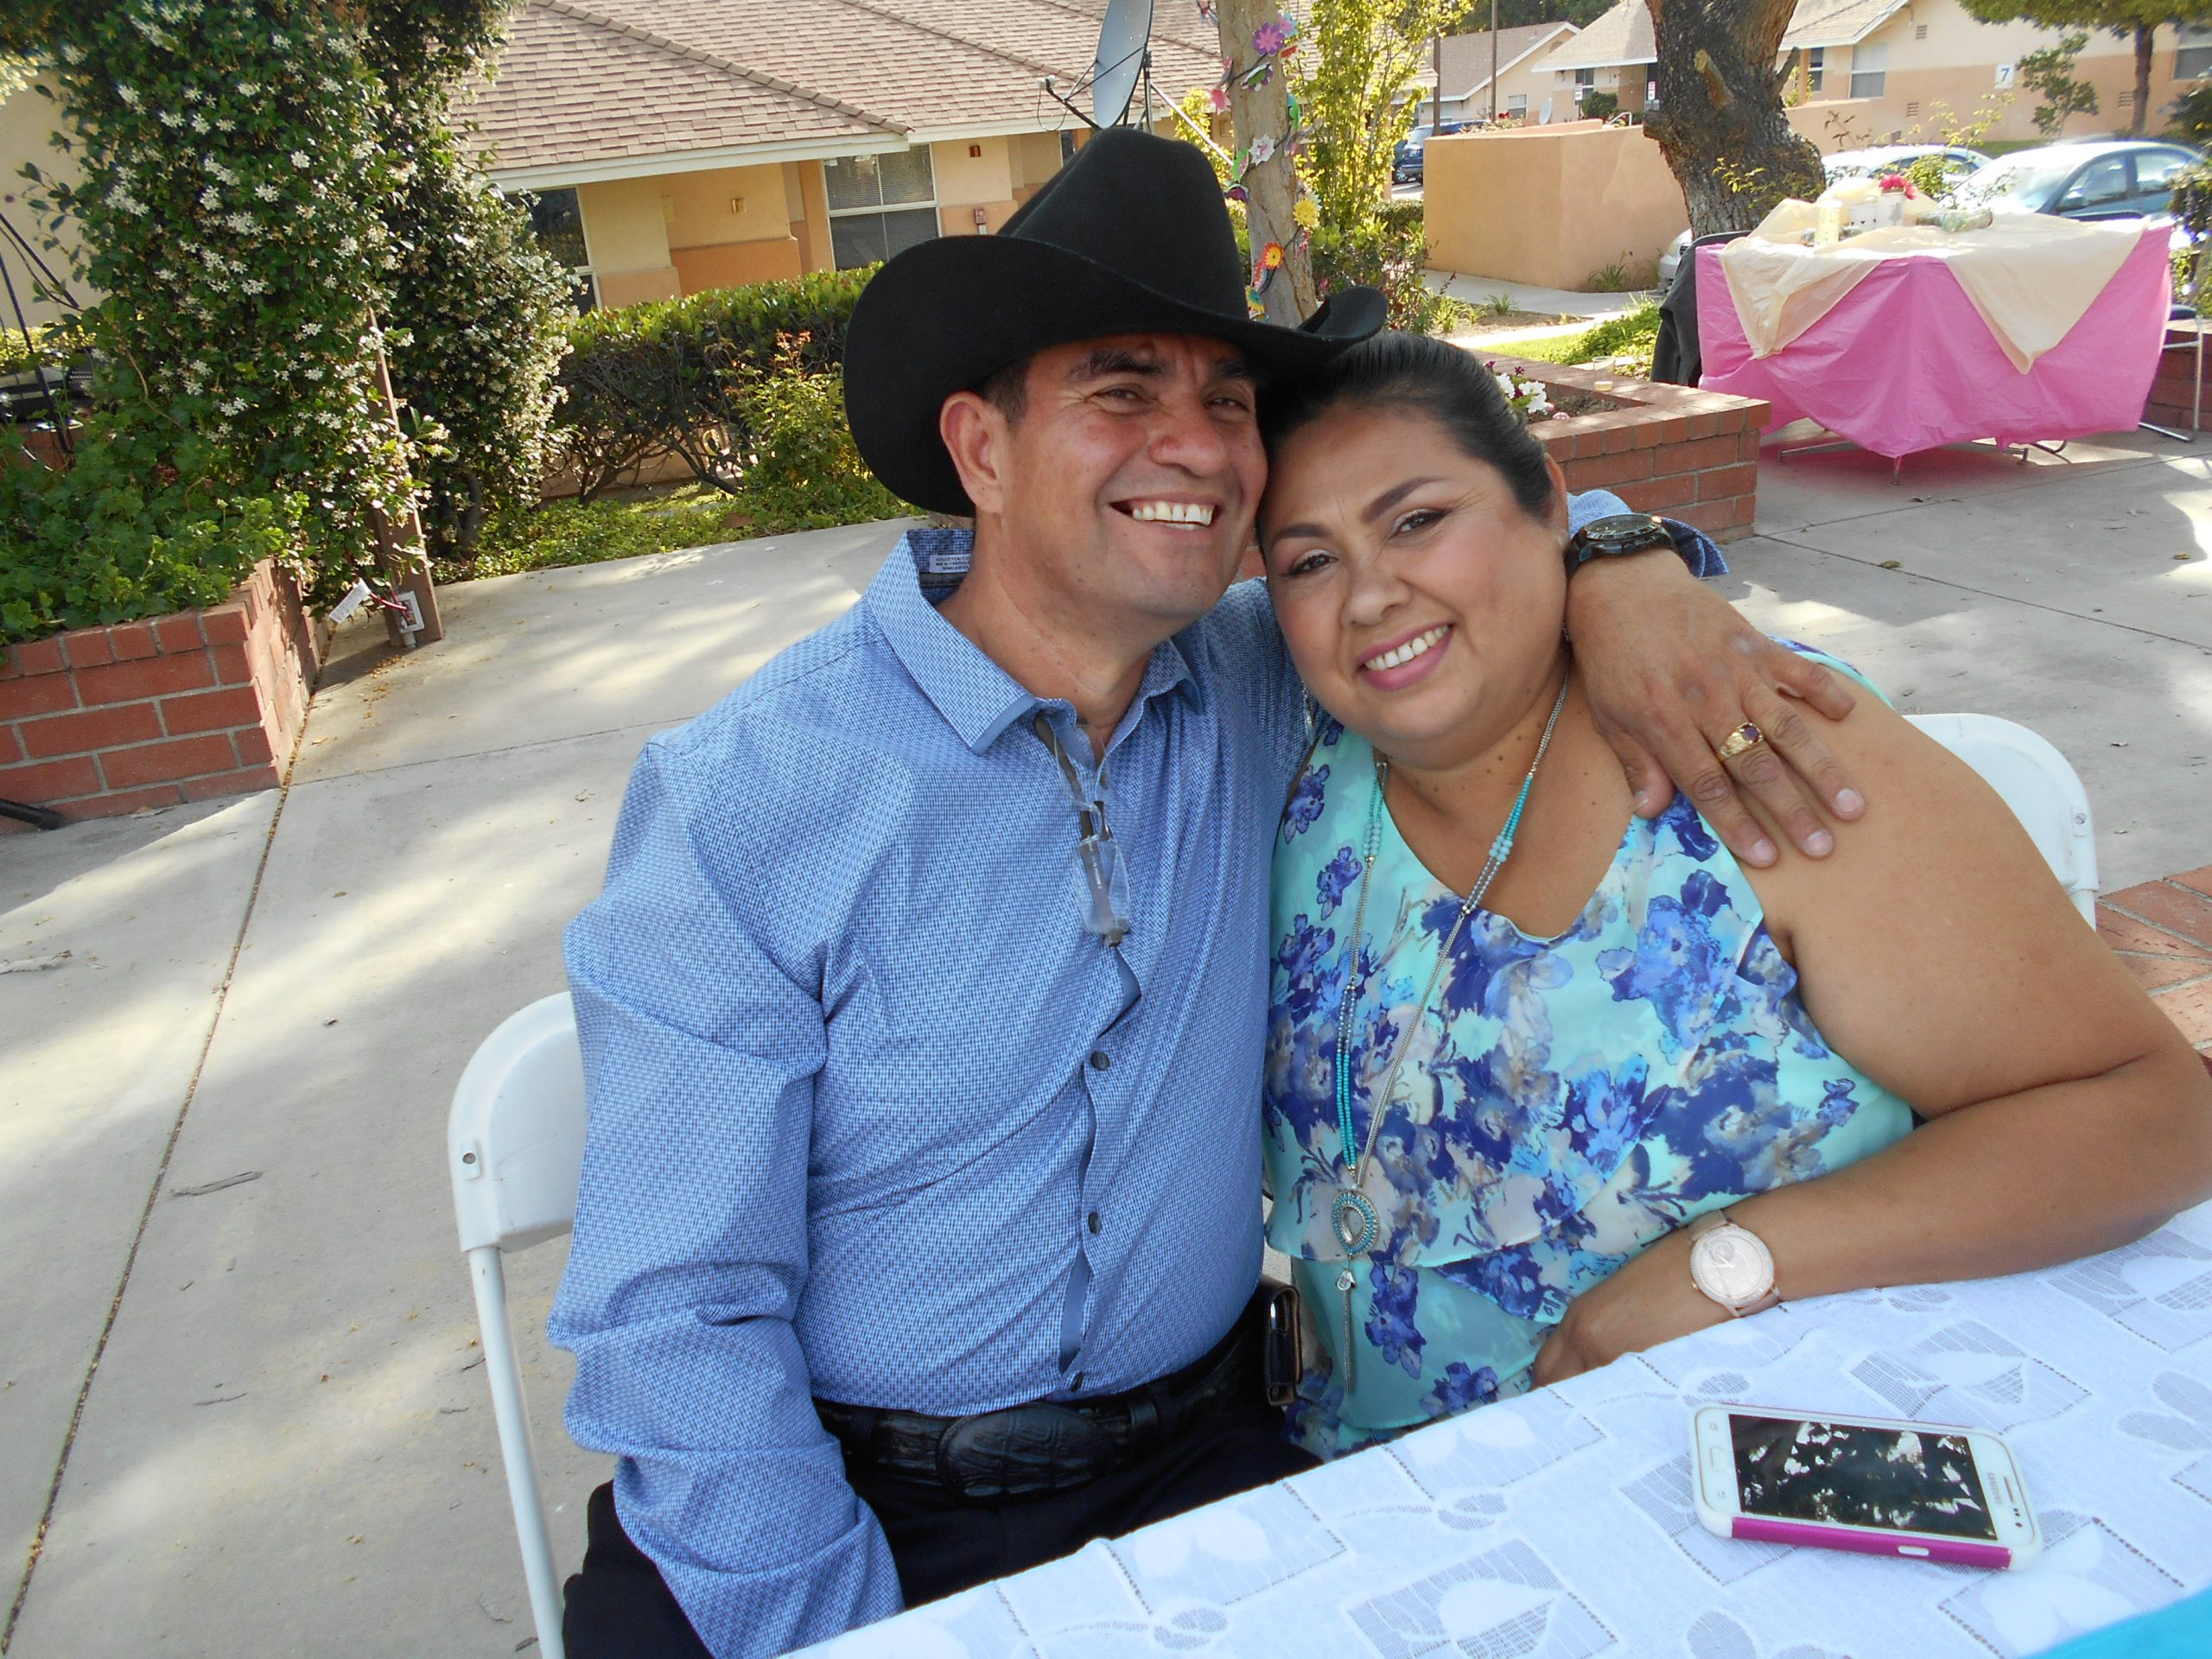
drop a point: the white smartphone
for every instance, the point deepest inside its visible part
(1873, 1486)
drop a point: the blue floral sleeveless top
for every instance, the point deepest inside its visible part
(1565, 1101)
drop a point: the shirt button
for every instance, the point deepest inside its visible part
(1093, 1219)
(1100, 1059)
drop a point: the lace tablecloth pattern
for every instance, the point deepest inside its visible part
(1559, 1525)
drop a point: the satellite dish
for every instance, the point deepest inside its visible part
(1123, 55)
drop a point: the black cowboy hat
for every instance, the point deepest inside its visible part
(1130, 238)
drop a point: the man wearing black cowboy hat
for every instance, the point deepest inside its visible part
(923, 1011)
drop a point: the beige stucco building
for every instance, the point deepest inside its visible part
(676, 145)
(26, 124)
(1864, 72)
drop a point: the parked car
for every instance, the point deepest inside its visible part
(1960, 163)
(2098, 178)
(1406, 160)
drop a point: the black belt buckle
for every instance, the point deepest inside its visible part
(1280, 1367)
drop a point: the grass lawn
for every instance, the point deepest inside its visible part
(658, 519)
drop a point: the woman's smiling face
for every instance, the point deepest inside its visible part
(1422, 604)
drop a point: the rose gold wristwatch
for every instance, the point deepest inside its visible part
(1731, 1265)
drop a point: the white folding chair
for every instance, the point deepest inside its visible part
(2036, 782)
(515, 1146)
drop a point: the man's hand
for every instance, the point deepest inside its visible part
(1650, 1300)
(1672, 670)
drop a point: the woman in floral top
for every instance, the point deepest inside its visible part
(1631, 1030)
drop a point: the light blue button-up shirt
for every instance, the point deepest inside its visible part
(872, 1117)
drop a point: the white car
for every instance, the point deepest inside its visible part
(1958, 162)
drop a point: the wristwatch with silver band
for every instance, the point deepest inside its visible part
(1731, 1265)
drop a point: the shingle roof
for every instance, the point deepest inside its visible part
(575, 86)
(1466, 57)
(1837, 22)
(1621, 36)
(587, 81)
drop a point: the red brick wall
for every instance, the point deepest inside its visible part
(105, 721)
(2169, 403)
(1689, 453)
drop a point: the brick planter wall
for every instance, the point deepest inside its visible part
(106, 721)
(2169, 403)
(1689, 453)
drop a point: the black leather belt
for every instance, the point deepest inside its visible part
(1048, 1446)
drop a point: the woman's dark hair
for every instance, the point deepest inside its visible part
(1417, 374)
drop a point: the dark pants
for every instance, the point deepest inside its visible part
(618, 1605)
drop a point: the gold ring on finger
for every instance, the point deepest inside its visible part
(1741, 741)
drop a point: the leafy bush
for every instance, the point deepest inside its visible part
(2192, 114)
(672, 374)
(805, 473)
(136, 527)
(1597, 105)
(52, 346)
(1389, 252)
(486, 310)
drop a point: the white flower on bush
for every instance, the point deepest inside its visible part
(232, 406)
(244, 224)
(301, 160)
(127, 93)
(169, 119)
(198, 122)
(211, 198)
(267, 192)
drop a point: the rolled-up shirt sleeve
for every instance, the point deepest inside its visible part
(700, 1050)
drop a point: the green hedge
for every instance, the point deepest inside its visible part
(679, 375)
(142, 522)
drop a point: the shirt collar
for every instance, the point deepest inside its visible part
(977, 697)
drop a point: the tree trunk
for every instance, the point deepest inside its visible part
(1264, 111)
(2142, 80)
(1720, 123)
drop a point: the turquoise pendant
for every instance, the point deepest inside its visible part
(1358, 1226)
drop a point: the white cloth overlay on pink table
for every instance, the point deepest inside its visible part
(2031, 276)
(1559, 1524)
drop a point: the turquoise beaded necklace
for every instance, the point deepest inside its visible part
(1352, 1216)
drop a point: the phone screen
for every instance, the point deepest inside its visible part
(1850, 1475)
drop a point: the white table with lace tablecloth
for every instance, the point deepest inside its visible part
(1559, 1524)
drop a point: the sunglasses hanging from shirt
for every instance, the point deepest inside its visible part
(1106, 881)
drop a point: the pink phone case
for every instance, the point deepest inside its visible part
(1957, 1551)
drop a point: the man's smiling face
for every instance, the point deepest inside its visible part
(1131, 475)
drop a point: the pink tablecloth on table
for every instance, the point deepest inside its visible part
(1904, 362)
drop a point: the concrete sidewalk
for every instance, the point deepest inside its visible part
(221, 1169)
(1526, 297)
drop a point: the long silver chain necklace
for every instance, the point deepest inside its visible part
(1352, 1216)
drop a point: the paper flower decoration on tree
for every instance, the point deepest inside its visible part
(1270, 38)
(1219, 96)
(1305, 213)
(1271, 256)
(1263, 149)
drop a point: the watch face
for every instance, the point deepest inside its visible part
(1624, 527)
(1731, 1265)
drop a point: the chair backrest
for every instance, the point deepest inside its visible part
(515, 1141)
(2036, 782)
